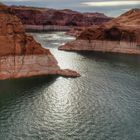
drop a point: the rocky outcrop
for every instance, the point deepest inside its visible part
(112, 33)
(120, 35)
(20, 54)
(49, 19)
(31, 65)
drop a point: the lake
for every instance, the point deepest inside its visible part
(102, 104)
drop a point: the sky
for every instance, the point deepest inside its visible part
(109, 7)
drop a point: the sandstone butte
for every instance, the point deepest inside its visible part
(120, 35)
(20, 54)
(39, 19)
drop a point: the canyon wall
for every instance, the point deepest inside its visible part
(52, 19)
(102, 46)
(20, 55)
(13, 39)
(114, 36)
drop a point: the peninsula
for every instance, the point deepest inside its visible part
(120, 35)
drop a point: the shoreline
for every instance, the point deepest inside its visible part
(121, 47)
(23, 66)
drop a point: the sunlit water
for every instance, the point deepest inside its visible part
(103, 104)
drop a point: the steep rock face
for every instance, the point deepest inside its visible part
(31, 65)
(44, 16)
(120, 35)
(13, 40)
(124, 28)
(20, 54)
(111, 33)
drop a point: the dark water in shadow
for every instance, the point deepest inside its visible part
(103, 104)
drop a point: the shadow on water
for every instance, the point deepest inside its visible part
(16, 88)
(110, 57)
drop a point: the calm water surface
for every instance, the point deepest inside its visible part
(103, 104)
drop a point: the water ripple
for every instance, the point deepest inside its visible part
(103, 104)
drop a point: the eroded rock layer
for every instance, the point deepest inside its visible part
(52, 19)
(31, 65)
(13, 40)
(20, 54)
(120, 35)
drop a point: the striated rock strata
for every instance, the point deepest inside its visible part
(20, 54)
(121, 35)
(50, 19)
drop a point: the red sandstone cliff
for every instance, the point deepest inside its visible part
(45, 16)
(13, 40)
(120, 35)
(20, 54)
(124, 28)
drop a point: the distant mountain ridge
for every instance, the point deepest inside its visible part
(66, 17)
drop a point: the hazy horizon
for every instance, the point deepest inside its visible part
(108, 7)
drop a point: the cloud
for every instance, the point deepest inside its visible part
(110, 3)
(17, 0)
